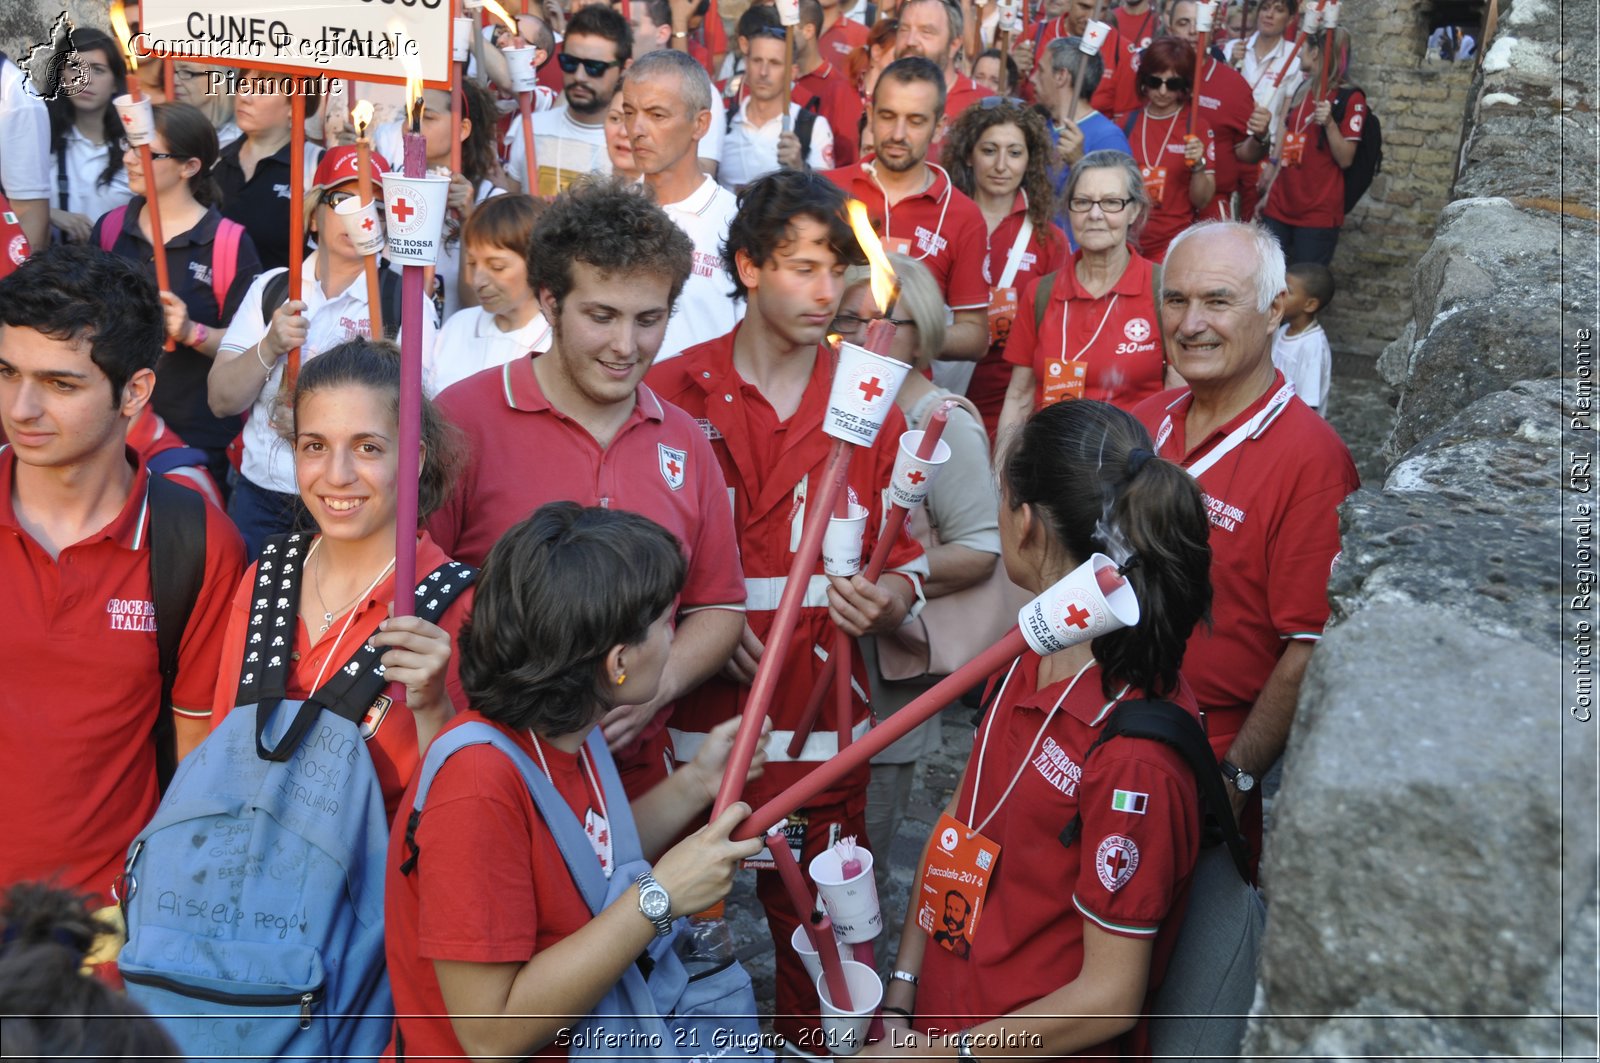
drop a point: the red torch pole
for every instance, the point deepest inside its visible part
(820, 932)
(411, 296)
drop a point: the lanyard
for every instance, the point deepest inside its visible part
(1144, 127)
(1098, 329)
(1014, 256)
(983, 746)
(944, 203)
(1250, 429)
(606, 859)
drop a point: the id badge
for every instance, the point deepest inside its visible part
(1002, 312)
(954, 882)
(899, 246)
(1294, 148)
(1155, 181)
(794, 830)
(1064, 380)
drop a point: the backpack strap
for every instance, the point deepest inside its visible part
(273, 295)
(111, 226)
(177, 572)
(805, 124)
(1133, 120)
(390, 289)
(1041, 298)
(1162, 721)
(175, 458)
(225, 261)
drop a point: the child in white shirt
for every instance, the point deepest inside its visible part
(1300, 348)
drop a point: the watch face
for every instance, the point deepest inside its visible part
(1244, 782)
(653, 901)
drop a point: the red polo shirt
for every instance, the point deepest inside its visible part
(1158, 144)
(771, 465)
(1226, 105)
(962, 92)
(1046, 251)
(1274, 508)
(939, 226)
(1126, 872)
(1136, 31)
(1311, 194)
(490, 885)
(838, 102)
(83, 687)
(840, 39)
(1117, 336)
(389, 729)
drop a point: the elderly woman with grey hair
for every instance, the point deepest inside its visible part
(958, 526)
(1092, 330)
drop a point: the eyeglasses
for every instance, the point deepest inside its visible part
(850, 324)
(333, 199)
(186, 73)
(595, 68)
(1151, 82)
(1111, 205)
(125, 146)
(989, 103)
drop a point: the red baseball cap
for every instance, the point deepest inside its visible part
(342, 164)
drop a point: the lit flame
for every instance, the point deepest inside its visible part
(500, 13)
(413, 68)
(361, 115)
(883, 283)
(119, 25)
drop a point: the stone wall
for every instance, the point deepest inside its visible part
(1431, 869)
(1421, 105)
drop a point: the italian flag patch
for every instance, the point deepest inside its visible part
(1130, 801)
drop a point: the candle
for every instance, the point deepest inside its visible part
(411, 303)
(519, 77)
(158, 243)
(794, 882)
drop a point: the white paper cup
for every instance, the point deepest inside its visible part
(1090, 601)
(913, 476)
(800, 941)
(845, 1031)
(788, 12)
(523, 76)
(1094, 35)
(138, 119)
(1330, 17)
(864, 386)
(364, 224)
(413, 210)
(1010, 16)
(1205, 16)
(852, 903)
(460, 39)
(841, 542)
(1310, 18)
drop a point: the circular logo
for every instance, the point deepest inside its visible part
(1055, 368)
(1076, 615)
(1137, 330)
(1115, 861)
(18, 249)
(948, 839)
(407, 210)
(870, 390)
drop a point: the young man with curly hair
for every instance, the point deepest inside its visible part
(576, 423)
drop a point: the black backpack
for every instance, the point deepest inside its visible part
(1369, 150)
(804, 123)
(177, 571)
(276, 293)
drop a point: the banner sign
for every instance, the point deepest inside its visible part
(359, 39)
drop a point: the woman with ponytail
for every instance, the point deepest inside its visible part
(1072, 935)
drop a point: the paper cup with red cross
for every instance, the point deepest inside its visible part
(1205, 16)
(413, 212)
(460, 39)
(364, 224)
(523, 76)
(841, 542)
(845, 1029)
(138, 119)
(788, 12)
(800, 941)
(1094, 35)
(1311, 19)
(913, 476)
(864, 386)
(1330, 16)
(1091, 600)
(852, 902)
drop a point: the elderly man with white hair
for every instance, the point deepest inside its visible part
(1272, 474)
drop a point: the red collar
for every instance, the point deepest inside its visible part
(127, 529)
(520, 385)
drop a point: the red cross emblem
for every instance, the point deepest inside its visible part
(915, 476)
(1076, 616)
(127, 119)
(1116, 860)
(674, 468)
(871, 389)
(402, 210)
(366, 224)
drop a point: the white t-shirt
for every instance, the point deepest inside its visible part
(471, 342)
(86, 161)
(268, 461)
(1307, 362)
(706, 309)
(24, 139)
(751, 151)
(1260, 73)
(564, 150)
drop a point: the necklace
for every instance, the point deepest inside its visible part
(316, 581)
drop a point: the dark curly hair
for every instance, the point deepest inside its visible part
(612, 227)
(376, 365)
(1071, 462)
(557, 592)
(72, 292)
(767, 208)
(962, 141)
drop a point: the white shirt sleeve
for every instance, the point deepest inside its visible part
(711, 144)
(247, 326)
(24, 139)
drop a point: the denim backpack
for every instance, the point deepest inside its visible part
(254, 898)
(659, 1009)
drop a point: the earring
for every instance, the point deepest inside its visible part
(622, 677)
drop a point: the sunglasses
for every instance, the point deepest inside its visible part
(776, 33)
(595, 68)
(123, 143)
(989, 103)
(333, 199)
(1151, 82)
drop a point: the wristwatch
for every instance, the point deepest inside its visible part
(654, 904)
(1242, 780)
(964, 1048)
